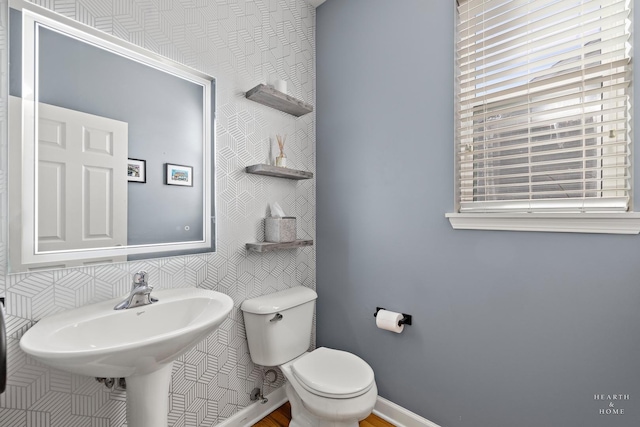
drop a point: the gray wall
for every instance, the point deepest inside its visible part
(164, 114)
(510, 329)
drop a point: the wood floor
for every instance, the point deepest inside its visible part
(281, 417)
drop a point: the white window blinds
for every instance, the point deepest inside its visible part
(543, 105)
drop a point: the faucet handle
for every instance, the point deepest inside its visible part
(140, 279)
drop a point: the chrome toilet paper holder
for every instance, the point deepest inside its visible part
(406, 318)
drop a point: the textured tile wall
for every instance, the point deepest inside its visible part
(241, 43)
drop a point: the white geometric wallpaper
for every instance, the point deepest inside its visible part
(241, 43)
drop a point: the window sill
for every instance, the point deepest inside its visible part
(606, 223)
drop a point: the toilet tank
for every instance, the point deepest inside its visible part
(279, 325)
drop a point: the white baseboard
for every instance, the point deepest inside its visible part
(256, 411)
(385, 409)
(399, 416)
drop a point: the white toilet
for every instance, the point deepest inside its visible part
(326, 387)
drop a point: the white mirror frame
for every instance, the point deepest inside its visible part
(34, 16)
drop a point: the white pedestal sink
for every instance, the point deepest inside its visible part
(139, 344)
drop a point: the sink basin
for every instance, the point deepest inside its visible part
(138, 344)
(99, 341)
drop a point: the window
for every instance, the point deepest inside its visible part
(543, 108)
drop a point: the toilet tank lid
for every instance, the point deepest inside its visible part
(278, 301)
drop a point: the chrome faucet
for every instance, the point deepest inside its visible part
(140, 292)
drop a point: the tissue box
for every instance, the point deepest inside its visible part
(277, 230)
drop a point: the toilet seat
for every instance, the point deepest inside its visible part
(333, 373)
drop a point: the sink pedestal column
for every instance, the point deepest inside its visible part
(148, 398)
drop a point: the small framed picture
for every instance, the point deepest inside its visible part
(136, 170)
(178, 175)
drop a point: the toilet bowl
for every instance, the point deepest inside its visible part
(329, 387)
(326, 387)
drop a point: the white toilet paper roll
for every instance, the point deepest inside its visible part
(388, 320)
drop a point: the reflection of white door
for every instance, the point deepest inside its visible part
(82, 180)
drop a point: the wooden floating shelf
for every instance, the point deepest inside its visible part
(279, 172)
(270, 97)
(268, 246)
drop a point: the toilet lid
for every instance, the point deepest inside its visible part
(333, 373)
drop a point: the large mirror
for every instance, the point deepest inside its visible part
(110, 148)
